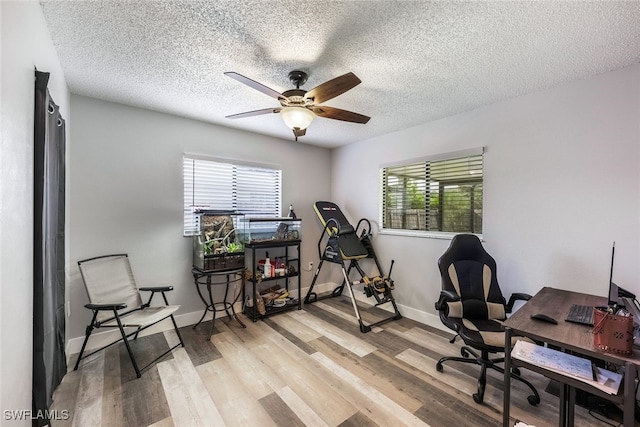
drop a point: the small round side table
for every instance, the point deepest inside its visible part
(219, 278)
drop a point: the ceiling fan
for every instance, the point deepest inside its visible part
(298, 107)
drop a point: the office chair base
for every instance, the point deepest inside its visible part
(485, 362)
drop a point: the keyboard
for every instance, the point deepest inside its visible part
(582, 314)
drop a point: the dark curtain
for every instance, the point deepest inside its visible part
(49, 359)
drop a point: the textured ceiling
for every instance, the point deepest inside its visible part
(418, 60)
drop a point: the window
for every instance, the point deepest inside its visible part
(436, 194)
(249, 189)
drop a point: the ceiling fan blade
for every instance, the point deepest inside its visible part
(339, 114)
(255, 85)
(254, 113)
(332, 88)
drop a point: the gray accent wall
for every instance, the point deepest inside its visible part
(127, 192)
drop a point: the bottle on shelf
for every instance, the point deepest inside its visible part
(267, 268)
(292, 213)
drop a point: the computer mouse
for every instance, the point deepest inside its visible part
(544, 318)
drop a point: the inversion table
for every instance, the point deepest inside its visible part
(344, 244)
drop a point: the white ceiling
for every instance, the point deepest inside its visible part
(418, 60)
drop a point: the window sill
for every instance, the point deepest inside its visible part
(422, 234)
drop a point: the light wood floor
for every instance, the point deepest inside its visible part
(311, 367)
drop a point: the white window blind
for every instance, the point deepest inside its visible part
(438, 194)
(214, 185)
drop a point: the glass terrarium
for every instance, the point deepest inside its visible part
(217, 246)
(269, 230)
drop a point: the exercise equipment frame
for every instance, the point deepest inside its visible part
(344, 244)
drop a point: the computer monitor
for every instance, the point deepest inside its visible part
(613, 288)
(617, 295)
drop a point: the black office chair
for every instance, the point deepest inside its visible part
(472, 305)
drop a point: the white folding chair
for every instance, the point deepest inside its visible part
(115, 302)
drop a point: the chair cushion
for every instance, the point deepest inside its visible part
(485, 334)
(145, 317)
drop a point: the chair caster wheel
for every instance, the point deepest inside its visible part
(439, 367)
(533, 400)
(477, 398)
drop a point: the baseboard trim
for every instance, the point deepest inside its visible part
(100, 339)
(408, 312)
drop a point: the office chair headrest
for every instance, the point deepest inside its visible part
(466, 247)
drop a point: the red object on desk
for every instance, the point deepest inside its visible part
(612, 333)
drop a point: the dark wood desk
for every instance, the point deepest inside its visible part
(569, 337)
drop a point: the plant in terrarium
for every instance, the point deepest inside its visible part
(214, 247)
(218, 235)
(235, 247)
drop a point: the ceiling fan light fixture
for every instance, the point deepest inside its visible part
(297, 117)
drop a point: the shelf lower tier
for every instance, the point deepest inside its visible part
(270, 279)
(253, 313)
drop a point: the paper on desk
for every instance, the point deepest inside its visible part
(554, 360)
(608, 381)
(567, 364)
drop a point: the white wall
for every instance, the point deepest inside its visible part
(127, 192)
(26, 45)
(562, 182)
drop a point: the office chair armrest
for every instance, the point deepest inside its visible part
(114, 306)
(157, 289)
(516, 297)
(445, 297)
